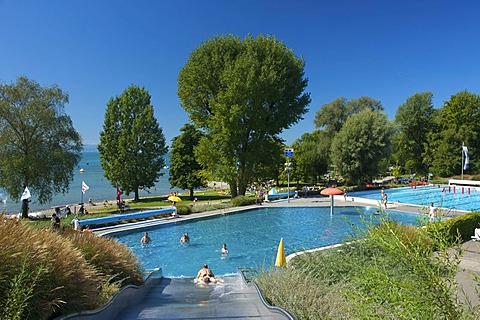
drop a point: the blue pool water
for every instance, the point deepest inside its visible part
(441, 196)
(251, 236)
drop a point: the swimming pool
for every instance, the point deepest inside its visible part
(251, 236)
(460, 198)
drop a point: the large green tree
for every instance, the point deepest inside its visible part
(185, 171)
(132, 145)
(39, 147)
(243, 94)
(360, 145)
(333, 115)
(311, 156)
(457, 123)
(414, 120)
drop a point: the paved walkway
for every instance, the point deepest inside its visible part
(180, 299)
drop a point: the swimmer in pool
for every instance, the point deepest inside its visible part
(145, 239)
(224, 249)
(206, 275)
(185, 238)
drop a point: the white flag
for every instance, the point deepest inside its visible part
(467, 160)
(26, 194)
(84, 187)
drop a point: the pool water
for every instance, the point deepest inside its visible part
(252, 237)
(443, 196)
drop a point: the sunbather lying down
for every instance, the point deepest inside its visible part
(476, 235)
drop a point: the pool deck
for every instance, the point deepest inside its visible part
(180, 299)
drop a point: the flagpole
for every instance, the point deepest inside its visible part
(463, 144)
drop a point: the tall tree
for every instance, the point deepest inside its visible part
(362, 142)
(39, 147)
(185, 171)
(457, 124)
(332, 116)
(414, 119)
(311, 156)
(243, 94)
(132, 145)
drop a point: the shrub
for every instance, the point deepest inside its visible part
(391, 272)
(462, 226)
(184, 210)
(240, 201)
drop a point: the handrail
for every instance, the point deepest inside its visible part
(274, 309)
(128, 295)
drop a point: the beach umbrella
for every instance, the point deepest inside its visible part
(331, 191)
(174, 199)
(281, 261)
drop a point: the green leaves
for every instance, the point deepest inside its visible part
(132, 144)
(39, 146)
(242, 93)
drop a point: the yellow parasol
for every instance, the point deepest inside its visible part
(174, 199)
(281, 260)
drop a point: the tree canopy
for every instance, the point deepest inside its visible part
(242, 94)
(361, 144)
(185, 171)
(132, 145)
(39, 147)
(414, 119)
(332, 116)
(457, 123)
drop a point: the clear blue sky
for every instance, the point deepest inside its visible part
(93, 50)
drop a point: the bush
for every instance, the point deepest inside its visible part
(240, 201)
(391, 272)
(184, 210)
(462, 226)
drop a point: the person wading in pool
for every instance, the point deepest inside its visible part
(185, 238)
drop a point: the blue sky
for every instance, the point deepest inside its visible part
(94, 50)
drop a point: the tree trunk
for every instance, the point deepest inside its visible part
(25, 208)
(136, 195)
(233, 188)
(242, 190)
(191, 194)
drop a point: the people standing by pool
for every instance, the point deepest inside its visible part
(345, 193)
(175, 211)
(224, 249)
(76, 223)
(384, 199)
(145, 239)
(55, 222)
(185, 238)
(432, 212)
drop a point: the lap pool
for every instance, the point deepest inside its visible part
(251, 236)
(451, 197)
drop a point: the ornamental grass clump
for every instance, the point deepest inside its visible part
(109, 257)
(42, 275)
